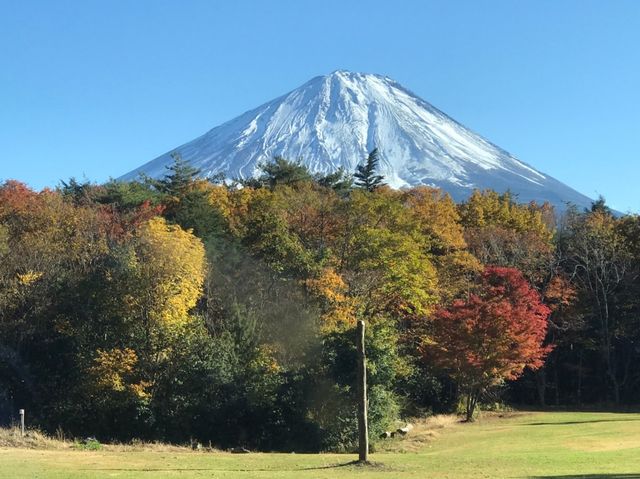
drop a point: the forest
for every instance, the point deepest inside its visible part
(188, 309)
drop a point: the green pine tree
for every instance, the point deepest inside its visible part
(281, 171)
(179, 177)
(365, 175)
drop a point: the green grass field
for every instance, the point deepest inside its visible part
(537, 445)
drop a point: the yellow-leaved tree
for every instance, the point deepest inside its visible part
(114, 371)
(170, 264)
(439, 224)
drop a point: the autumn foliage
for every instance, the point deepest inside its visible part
(491, 336)
(185, 308)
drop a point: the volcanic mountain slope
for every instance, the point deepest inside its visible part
(335, 120)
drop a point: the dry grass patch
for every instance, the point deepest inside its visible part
(424, 431)
(141, 446)
(10, 438)
(32, 439)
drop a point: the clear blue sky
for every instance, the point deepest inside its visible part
(95, 88)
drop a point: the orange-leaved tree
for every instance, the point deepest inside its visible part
(490, 337)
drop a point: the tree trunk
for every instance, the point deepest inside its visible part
(616, 388)
(556, 382)
(579, 391)
(472, 401)
(541, 386)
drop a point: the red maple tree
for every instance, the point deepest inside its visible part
(492, 336)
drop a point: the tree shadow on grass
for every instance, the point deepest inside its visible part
(591, 476)
(214, 469)
(369, 464)
(566, 423)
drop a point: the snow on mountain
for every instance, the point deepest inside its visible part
(335, 120)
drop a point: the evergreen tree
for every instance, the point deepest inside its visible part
(365, 175)
(281, 171)
(179, 177)
(600, 206)
(128, 195)
(78, 192)
(185, 198)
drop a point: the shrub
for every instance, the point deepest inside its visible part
(89, 444)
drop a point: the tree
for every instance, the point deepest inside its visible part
(339, 181)
(365, 175)
(170, 265)
(601, 264)
(492, 336)
(187, 199)
(179, 177)
(79, 192)
(380, 253)
(281, 171)
(269, 237)
(127, 196)
(500, 231)
(439, 225)
(600, 206)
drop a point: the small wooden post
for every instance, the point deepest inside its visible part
(22, 422)
(363, 427)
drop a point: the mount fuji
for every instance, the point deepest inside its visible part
(333, 121)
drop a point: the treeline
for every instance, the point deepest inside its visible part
(184, 308)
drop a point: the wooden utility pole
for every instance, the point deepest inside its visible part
(363, 427)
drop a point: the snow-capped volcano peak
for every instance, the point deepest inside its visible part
(335, 120)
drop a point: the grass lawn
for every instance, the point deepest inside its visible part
(537, 445)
